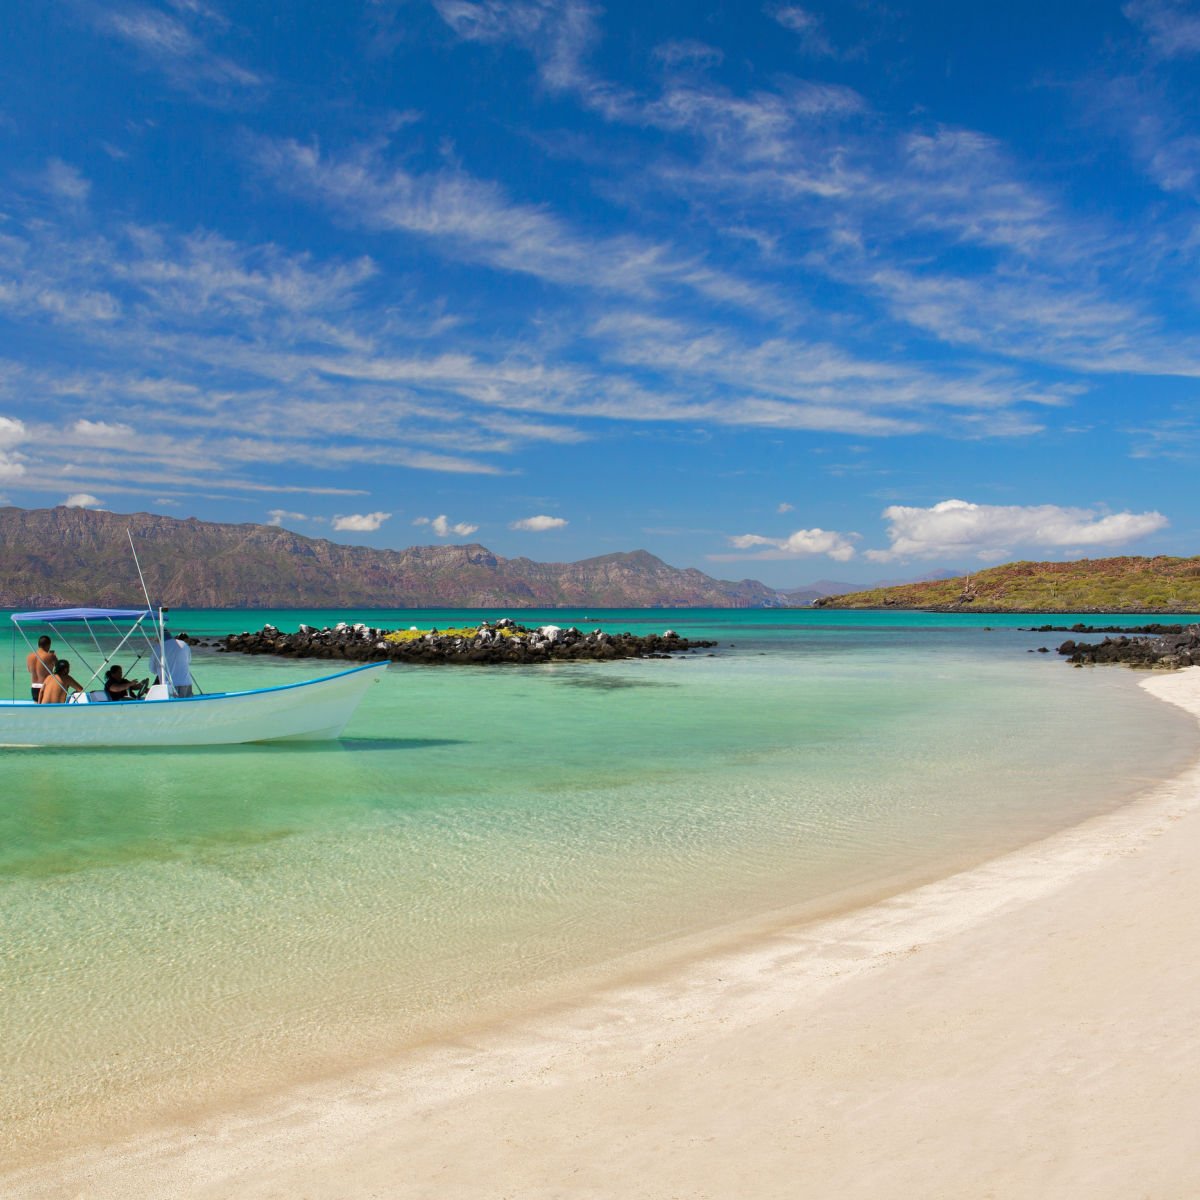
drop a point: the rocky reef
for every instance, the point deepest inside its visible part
(502, 641)
(1179, 649)
(1079, 627)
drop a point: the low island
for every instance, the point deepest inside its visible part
(1126, 584)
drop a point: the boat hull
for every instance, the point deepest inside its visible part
(316, 710)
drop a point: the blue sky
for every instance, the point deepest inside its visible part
(857, 290)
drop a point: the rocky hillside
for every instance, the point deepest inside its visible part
(65, 556)
(1131, 585)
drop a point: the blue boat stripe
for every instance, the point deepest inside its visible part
(282, 687)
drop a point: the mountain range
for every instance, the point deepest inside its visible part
(69, 556)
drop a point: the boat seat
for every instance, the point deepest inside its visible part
(97, 698)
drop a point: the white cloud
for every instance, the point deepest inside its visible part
(360, 522)
(82, 500)
(442, 527)
(955, 528)
(784, 507)
(279, 515)
(164, 502)
(12, 432)
(802, 543)
(538, 524)
(11, 466)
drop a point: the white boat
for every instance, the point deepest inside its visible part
(312, 710)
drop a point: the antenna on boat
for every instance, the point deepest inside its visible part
(141, 577)
(162, 654)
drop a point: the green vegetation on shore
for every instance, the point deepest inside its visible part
(1085, 585)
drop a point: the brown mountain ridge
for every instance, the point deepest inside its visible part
(68, 556)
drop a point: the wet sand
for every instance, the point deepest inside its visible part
(1030, 1028)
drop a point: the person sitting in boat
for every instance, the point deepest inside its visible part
(117, 687)
(58, 684)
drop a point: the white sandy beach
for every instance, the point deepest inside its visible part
(1030, 1028)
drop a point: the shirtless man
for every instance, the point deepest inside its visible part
(58, 684)
(40, 665)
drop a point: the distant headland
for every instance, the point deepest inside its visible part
(1100, 585)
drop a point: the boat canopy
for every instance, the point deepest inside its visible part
(54, 615)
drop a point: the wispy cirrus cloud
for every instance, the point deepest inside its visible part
(308, 375)
(808, 28)
(176, 45)
(1171, 28)
(62, 182)
(688, 52)
(1158, 133)
(788, 382)
(883, 209)
(1176, 435)
(473, 220)
(782, 256)
(1034, 316)
(559, 35)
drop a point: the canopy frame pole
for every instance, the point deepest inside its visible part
(117, 650)
(95, 641)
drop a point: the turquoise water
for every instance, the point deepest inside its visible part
(184, 927)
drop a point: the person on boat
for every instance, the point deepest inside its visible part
(58, 684)
(40, 665)
(178, 655)
(117, 687)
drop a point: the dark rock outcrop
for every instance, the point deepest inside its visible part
(1171, 650)
(500, 642)
(1079, 627)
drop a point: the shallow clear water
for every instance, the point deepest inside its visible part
(181, 926)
